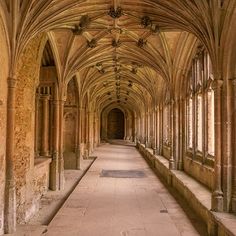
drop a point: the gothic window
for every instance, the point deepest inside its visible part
(190, 122)
(200, 107)
(166, 124)
(210, 109)
(210, 122)
(199, 122)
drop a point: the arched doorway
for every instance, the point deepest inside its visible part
(115, 124)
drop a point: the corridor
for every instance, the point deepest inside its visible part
(130, 202)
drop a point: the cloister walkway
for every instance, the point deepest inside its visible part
(120, 195)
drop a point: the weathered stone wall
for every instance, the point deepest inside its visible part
(69, 132)
(3, 105)
(27, 77)
(202, 173)
(40, 183)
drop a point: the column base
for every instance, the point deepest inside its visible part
(172, 164)
(61, 174)
(180, 165)
(10, 208)
(44, 154)
(78, 156)
(217, 201)
(155, 152)
(53, 180)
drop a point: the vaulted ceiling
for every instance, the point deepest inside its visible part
(122, 52)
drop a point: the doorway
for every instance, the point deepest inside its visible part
(115, 128)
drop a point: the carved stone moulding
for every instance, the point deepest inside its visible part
(115, 13)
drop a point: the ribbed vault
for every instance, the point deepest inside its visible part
(120, 42)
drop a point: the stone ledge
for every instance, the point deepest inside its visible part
(194, 193)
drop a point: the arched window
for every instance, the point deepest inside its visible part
(166, 124)
(190, 122)
(200, 108)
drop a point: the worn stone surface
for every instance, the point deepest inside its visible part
(3, 104)
(121, 206)
(70, 127)
(27, 77)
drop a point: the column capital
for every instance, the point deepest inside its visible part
(44, 96)
(11, 82)
(55, 102)
(217, 84)
(233, 81)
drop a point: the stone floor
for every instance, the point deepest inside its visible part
(110, 206)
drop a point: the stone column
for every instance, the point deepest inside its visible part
(146, 129)
(79, 134)
(217, 195)
(155, 124)
(176, 132)
(172, 119)
(61, 156)
(36, 151)
(89, 135)
(10, 188)
(54, 180)
(234, 151)
(181, 133)
(160, 130)
(45, 125)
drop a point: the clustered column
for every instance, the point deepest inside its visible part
(10, 188)
(45, 125)
(217, 196)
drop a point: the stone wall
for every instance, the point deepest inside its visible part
(202, 173)
(3, 105)
(70, 126)
(27, 78)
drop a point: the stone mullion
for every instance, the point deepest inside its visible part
(161, 130)
(54, 180)
(176, 132)
(146, 129)
(172, 121)
(143, 123)
(155, 124)
(194, 113)
(181, 133)
(10, 188)
(205, 112)
(205, 126)
(45, 125)
(158, 129)
(61, 156)
(217, 196)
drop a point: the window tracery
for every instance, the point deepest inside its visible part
(200, 106)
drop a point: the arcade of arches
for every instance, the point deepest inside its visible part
(161, 74)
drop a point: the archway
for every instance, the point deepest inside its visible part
(115, 121)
